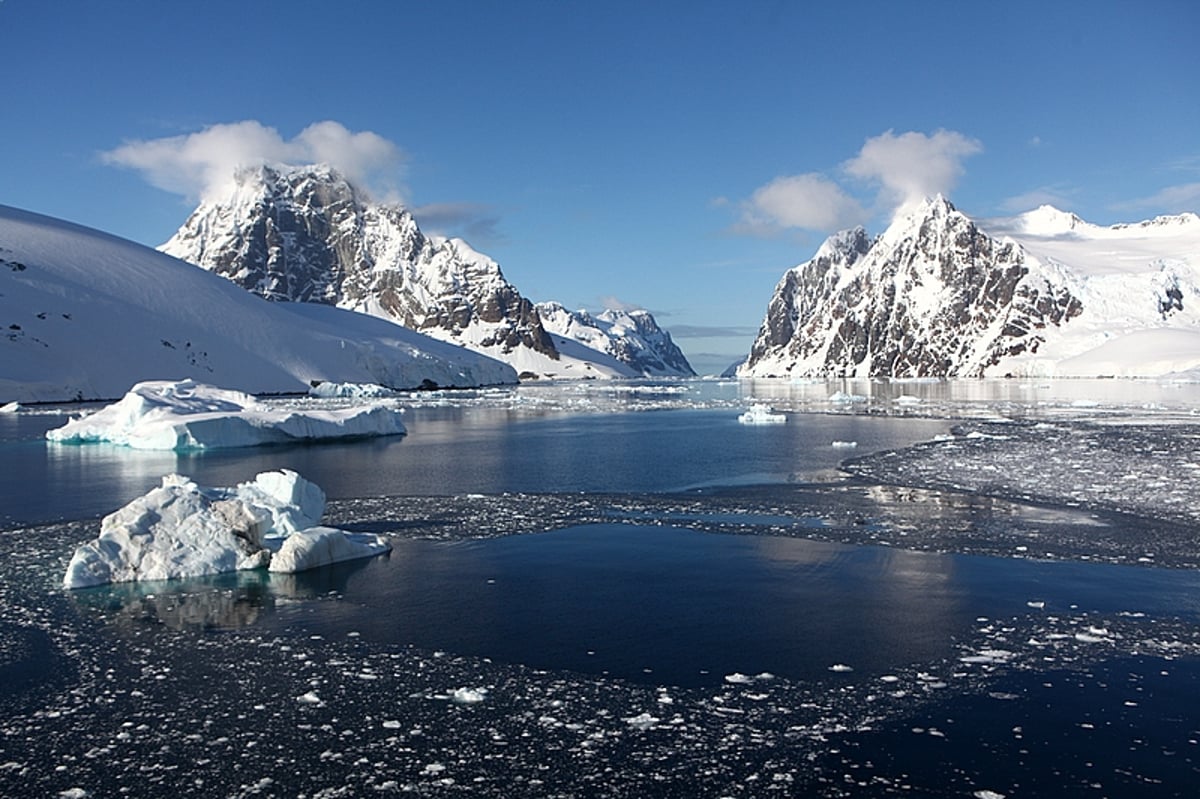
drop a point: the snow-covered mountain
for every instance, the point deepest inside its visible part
(1044, 293)
(305, 234)
(86, 315)
(631, 337)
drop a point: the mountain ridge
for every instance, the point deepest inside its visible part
(307, 234)
(935, 295)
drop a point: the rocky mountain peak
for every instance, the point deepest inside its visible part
(932, 296)
(306, 234)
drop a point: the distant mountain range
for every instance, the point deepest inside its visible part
(305, 234)
(938, 294)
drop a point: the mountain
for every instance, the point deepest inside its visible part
(631, 337)
(85, 315)
(1043, 293)
(305, 234)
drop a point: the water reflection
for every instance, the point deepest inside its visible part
(215, 602)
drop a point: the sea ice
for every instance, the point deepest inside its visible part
(181, 529)
(761, 414)
(12, 407)
(184, 415)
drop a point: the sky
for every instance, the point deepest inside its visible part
(673, 156)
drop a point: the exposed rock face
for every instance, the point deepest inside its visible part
(304, 234)
(632, 337)
(932, 296)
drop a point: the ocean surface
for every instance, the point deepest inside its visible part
(622, 591)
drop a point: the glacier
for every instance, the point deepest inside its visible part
(186, 415)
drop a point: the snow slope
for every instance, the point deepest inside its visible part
(86, 315)
(631, 337)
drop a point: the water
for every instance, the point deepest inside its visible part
(585, 599)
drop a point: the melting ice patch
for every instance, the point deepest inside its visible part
(186, 415)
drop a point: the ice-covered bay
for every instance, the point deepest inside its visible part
(321, 695)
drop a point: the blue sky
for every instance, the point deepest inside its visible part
(677, 156)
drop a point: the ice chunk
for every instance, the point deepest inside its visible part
(181, 529)
(844, 444)
(468, 696)
(185, 415)
(292, 502)
(321, 546)
(175, 530)
(761, 414)
(331, 390)
(12, 407)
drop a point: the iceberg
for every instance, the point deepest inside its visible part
(181, 529)
(761, 414)
(186, 415)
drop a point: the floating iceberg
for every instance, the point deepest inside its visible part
(761, 414)
(331, 390)
(184, 415)
(181, 529)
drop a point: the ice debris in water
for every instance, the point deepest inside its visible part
(186, 415)
(181, 529)
(761, 414)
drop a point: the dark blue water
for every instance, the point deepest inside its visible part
(1093, 685)
(454, 451)
(664, 605)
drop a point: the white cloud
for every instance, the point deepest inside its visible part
(907, 168)
(196, 164)
(809, 201)
(913, 166)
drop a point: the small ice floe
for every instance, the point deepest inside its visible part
(468, 696)
(908, 399)
(844, 444)
(988, 656)
(186, 415)
(181, 529)
(986, 794)
(737, 678)
(309, 698)
(1036, 604)
(642, 721)
(841, 668)
(761, 414)
(12, 407)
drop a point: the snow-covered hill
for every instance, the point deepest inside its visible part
(86, 315)
(306, 234)
(631, 337)
(935, 295)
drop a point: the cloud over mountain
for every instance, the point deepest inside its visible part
(196, 165)
(902, 169)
